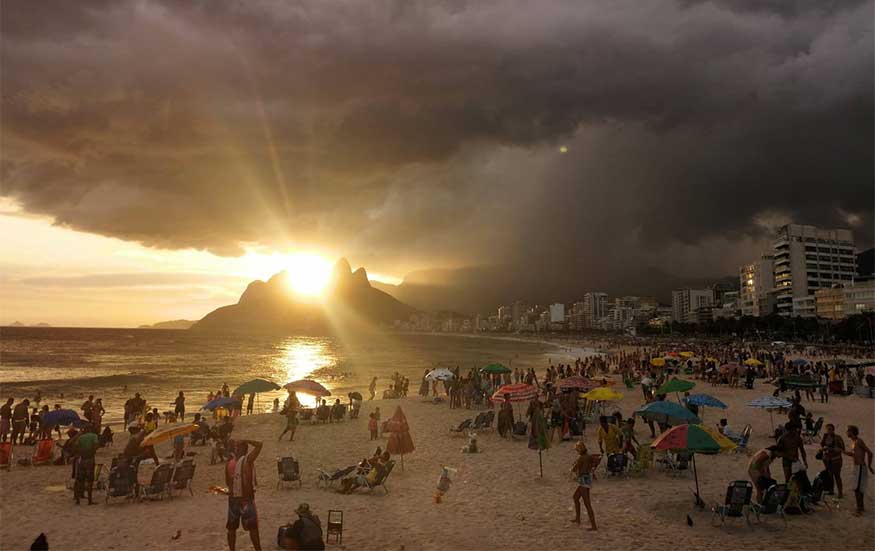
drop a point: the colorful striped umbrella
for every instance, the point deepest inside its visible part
(519, 392)
(693, 439)
(576, 382)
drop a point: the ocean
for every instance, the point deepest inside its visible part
(68, 364)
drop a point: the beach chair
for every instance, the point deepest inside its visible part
(478, 421)
(323, 413)
(43, 452)
(122, 481)
(677, 464)
(288, 470)
(616, 465)
(326, 479)
(736, 504)
(381, 480)
(183, 475)
(520, 430)
(6, 456)
(334, 526)
(488, 419)
(643, 460)
(773, 503)
(741, 443)
(814, 496)
(463, 426)
(809, 436)
(159, 486)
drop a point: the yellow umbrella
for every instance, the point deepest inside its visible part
(603, 394)
(657, 362)
(752, 361)
(168, 432)
(715, 360)
(687, 354)
(725, 443)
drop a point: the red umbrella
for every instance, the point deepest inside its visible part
(519, 392)
(307, 386)
(400, 441)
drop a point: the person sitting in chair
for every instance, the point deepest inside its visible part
(323, 412)
(337, 411)
(727, 431)
(305, 533)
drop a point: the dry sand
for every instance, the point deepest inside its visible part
(496, 500)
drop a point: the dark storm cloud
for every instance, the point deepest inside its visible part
(410, 134)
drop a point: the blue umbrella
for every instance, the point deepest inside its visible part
(220, 402)
(60, 417)
(705, 400)
(668, 412)
(769, 403)
(799, 361)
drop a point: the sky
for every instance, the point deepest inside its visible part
(157, 155)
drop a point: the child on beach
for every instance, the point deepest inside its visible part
(372, 426)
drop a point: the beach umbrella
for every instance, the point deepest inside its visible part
(712, 360)
(753, 362)
(538, 436)
(400, 441)
(657, 362)
(576, 382)
(687, 354)
(495, 369)
(60, 417)
(307, 386)
(703, 401)
(440, 374)
(726, 369)
(355, 396)
(255, 386)
(667, 412)
(769, 403)
(692, 438)
(519, 392)
(675, 385)
(603, 394)
(168, 432)
(220, 402)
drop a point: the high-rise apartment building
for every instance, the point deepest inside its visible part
(807, 259)
(755, 281)
(595, 307)
(687, 304)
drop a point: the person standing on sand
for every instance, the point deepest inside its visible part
(240, 479)
(372, 388)
(582, 469)
(291, 416)
(831, 448)
(85, 448)
(862, 461)
(6, 419)
(179, 406)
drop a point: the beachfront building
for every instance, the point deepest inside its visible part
(839, 302)
(518, 314)
(689, 305)
(806, 259)
(755, 281)
(576, 319)
(557, 313)
(595, 308)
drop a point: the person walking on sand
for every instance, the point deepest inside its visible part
(372, 388)
(240, 479)
(291, 417)
(582, 469)
(862, 465)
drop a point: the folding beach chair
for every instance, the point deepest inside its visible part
(736, 504)
(43, 452)
(159, 486)
(381, 480)
(463, 426)
(288, 470)
(327, 479)
(773, 503)
(122, 480)
(809, 436)
(741, 443)
(616, 465)
(183, 475)
(334, 526)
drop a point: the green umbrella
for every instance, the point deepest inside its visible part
(255, 386)
(538, 436)
(676, 385)
(495, 369)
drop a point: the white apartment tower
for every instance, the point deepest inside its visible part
(686, 302)
(808, 259)
(595, 307)
(755, 281)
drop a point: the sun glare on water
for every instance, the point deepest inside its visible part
(308, 274)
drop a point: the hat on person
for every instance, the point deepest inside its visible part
(303, 509)
(580, 446)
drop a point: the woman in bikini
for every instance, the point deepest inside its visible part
(583, 471)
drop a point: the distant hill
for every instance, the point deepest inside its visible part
(41, 324)
(350, 303)
(174, 324)
(17, 324)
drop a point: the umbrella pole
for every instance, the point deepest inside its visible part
(402, 462)
(540, 463)
(699, 502)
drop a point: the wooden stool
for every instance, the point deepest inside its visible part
(335, 526)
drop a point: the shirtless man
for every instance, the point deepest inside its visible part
(862, 461)
(583, 471)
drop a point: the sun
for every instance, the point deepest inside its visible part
(308, 274)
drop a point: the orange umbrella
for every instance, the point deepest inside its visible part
(400, 441)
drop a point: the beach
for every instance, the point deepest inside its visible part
(496, 500)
